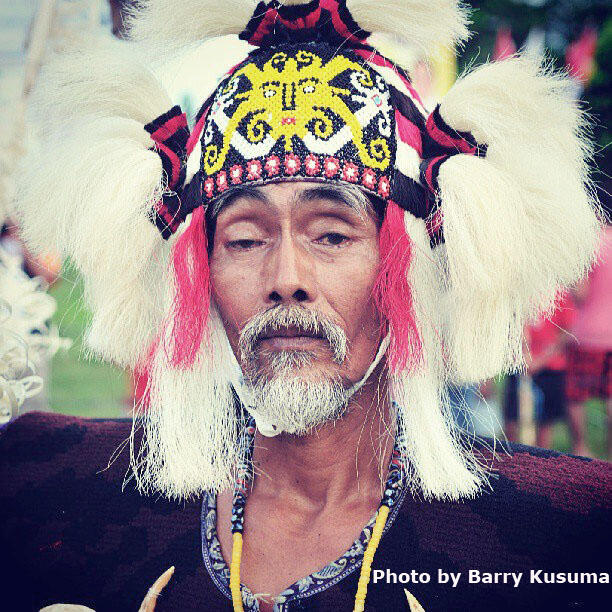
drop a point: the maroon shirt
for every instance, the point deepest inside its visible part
(70, 534)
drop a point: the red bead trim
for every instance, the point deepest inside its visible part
(368, 179)
(292, 165)
(350, 172)
(273, 165)
(332, 167)
(222, 181)
(384, 187)
(312, 165)
(236, 174)
(253, 170)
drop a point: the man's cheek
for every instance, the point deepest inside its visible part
(229, 317)
(352, 300)
(233, 296)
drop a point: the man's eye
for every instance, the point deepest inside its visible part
(243, 245)
(333, 239)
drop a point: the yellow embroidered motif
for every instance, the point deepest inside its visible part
(292, 96)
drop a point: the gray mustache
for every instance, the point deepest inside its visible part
(303, 319)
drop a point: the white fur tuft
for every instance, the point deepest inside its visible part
(520, 224)
(421, 25)
(439, 461)
(88, 187)
(171, 24)
(191, 425)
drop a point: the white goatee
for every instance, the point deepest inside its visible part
(282, 391)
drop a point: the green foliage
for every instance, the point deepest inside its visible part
(80, 386)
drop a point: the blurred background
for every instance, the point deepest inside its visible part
(561, 402)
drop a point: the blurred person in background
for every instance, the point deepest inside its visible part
(590, 360)
(548, 341)
(510, 406)
(476, 408)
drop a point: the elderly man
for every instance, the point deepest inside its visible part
(300, 276)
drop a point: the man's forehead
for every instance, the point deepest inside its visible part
(293, 193)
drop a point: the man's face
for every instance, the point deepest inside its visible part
(297, 248)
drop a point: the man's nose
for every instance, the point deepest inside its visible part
(290, 276)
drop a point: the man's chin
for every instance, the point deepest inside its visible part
(297, 404)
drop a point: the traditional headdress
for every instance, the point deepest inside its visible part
(488, 210)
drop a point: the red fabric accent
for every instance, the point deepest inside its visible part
(392, 292)
(409, 133)
(312, 165)
(222, 181)
(368, 178)
(408, 85)
(332, 166)
(209, 187)
(373, 58)
(140, 388)
(189, 313)
(171, 219)
(143, 370)
(161, 209)
(429, 172)
(384, 187)
(302, 22)
(350, 172)
(174, 161)
(253, 170)
(273, 165)
(545, 477)
(266, 24)
(292, 164)
(233, 69)
(273, 16)
(163, 132)
(446, 140)
(197, 132)
(236, 174)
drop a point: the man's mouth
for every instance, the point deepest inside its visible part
(287, 338)
(291, 332)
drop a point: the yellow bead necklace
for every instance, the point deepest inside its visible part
(364, 576)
